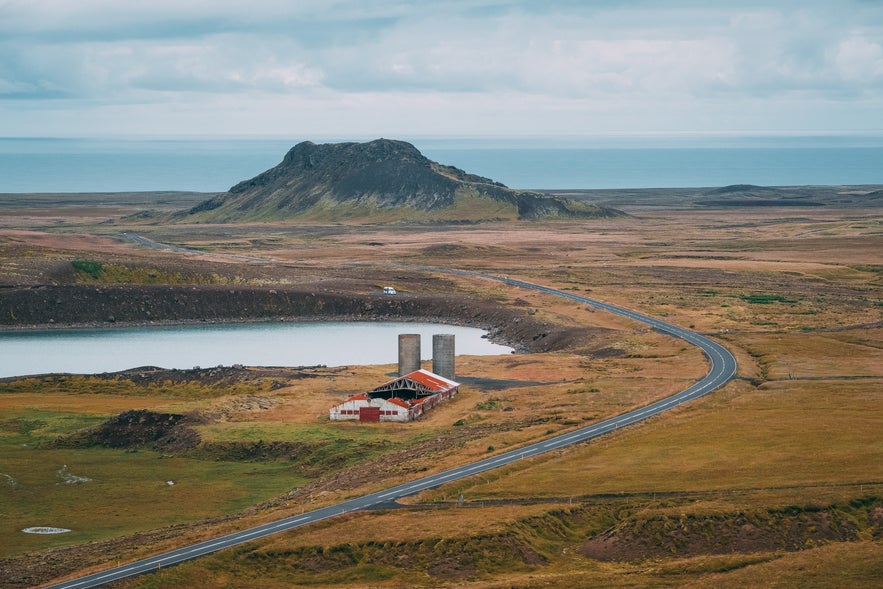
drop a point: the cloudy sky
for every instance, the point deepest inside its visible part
(441, 67)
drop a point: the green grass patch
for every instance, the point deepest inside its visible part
(101, 493)
(89, 268)
(32, 426)
(94, 271)
(765, 299)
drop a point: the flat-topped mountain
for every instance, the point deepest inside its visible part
(379, 181)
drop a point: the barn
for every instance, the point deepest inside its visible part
(404, 398)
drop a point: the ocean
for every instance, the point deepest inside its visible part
(214, 165)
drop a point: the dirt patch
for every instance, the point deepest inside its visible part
(499, 384)
(451, 568)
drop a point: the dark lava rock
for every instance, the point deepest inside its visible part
(138, 429)
(363, 180)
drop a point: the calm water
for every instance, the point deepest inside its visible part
(97, 165)
(92, 351)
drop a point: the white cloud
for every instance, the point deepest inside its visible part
(858, 59)
(458, 65)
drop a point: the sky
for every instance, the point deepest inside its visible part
(459, 68)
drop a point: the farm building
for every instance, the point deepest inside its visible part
(402, 399)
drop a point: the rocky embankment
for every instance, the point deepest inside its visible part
(109, 305)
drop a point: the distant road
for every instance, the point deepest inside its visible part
(722, 368)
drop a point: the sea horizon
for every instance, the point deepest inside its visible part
(608, 161)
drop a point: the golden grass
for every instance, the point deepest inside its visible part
(408, 525)
(801, 427)
(785, 434)
(10, 405)
(835, 566)
(817, 355)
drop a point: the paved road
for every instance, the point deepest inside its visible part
(722, 369)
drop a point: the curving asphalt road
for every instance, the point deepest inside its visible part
(722, 369)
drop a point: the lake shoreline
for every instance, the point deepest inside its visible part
(264, 344)
(102, 306)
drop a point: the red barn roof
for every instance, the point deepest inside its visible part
(419, 383)
(432, 380)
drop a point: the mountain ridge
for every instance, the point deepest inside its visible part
(380, 180)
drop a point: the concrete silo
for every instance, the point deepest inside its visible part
(443, 355)
(409, 353)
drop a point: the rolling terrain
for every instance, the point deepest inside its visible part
(773, 480)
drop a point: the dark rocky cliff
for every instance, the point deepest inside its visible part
(381, 180)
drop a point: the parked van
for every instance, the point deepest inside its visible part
(389, 290)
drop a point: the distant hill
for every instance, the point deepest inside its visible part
(379, 181)
(748, 195)
(735, 196)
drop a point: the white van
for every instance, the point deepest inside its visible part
(389, 290)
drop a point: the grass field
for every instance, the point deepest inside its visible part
(791, 448)
(100, 492)
(803, 440)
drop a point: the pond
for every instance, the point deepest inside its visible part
(92, 351)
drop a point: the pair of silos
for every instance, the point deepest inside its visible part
(442, 354)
